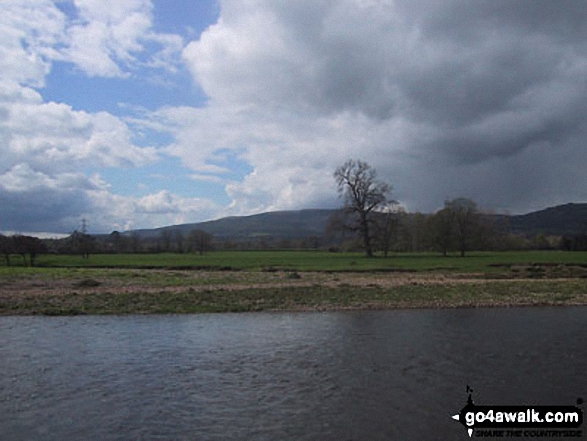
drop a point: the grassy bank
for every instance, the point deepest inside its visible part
(299, 298)
(70, 291)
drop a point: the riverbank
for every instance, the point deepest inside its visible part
(140, 291)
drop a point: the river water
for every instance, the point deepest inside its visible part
(361, 375)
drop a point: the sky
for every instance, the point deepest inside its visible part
(144, 113)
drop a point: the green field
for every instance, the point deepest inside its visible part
(288, 280)
(320, 261)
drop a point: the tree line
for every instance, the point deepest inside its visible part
(21, 246)
(369, 212)
(376, 223)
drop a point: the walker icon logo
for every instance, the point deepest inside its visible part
(518, 421)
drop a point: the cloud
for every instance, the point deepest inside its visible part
(485, 100)
(115, 212)
(212, 168)
(34, 201)
(109, 37)
(207, 178)
(441, 97)
(53, 136)
(105, 38)
(47, 147)
(30, 33)
(56, 203)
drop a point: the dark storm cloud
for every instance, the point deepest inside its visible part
(33, 201)
(509, 132)
(503, 85)
(462, 88)
(446, 63)
(463, 20)
(42, 210)
(489, 54)
(446, 98)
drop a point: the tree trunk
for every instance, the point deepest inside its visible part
(366, 236)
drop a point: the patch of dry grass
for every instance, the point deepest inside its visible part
(116, 291)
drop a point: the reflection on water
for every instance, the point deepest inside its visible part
(364, 375)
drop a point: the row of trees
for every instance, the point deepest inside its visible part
(168, 241)
(23, 246)
(175, 241)
(443, 231)
(78, 243)
(369, 212)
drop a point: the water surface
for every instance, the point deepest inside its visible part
(362, 375)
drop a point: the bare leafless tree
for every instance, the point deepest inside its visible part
(6, 248)
(466, 218)
(200, 241)
(24, 245)
(387, 224)
(362, 193)
(441, 228)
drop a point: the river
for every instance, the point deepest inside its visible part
(357, 375)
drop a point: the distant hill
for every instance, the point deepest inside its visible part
(560, 220)
(301, 224)
(273, 225)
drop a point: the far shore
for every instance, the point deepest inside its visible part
(140, 291)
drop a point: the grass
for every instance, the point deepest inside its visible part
(302, 298)
(320, 261)
(304, 280)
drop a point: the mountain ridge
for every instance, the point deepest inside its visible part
(565, 219)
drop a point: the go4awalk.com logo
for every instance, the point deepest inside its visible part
(521, 421)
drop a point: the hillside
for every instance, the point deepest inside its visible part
(274, 225)
(560, 220)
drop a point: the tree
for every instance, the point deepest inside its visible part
(466, 218)
(200, 241)
(81, 243)
(118, 241)
(6, 248)
(165, 240)
(416, 224)
(387, 223)
(19, 247)
(33, 246)
(179, 241)
(24, 245)
(362, 193)
(134, 242)
(336, 228)
(441, 228)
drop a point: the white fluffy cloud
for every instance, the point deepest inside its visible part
(29, 35)
(54, 137)
(46, 146)
(115, 212)
(108, 37)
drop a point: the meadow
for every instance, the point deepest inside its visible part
(231, 281)
(490, 262)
